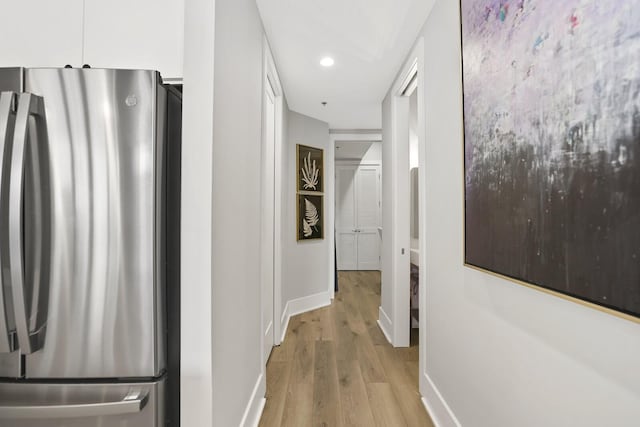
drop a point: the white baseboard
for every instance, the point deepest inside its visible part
(312, 302)
(252, 414)
(385, 324)
(302, 305)
(284, 322)
(440, 412)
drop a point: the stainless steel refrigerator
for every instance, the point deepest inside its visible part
(83, 247)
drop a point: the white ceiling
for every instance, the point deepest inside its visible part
(351, 150)
(368, 39)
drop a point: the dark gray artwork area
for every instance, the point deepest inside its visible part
(552, 145)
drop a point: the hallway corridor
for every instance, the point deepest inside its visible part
(336, 368)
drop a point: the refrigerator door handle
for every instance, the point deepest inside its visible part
(133, 403)
(26, 302)
(7, 122)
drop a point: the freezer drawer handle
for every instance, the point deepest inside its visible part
(7, 122)
(29, 303)
(133, 403)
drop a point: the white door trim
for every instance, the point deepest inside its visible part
(414, 64)
(399, 235)
(272, 80)
(342, 137)
(268, 220)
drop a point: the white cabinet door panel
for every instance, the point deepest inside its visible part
(345, 198)
(347, 251)
(41, 33)
(141, 34)
(368, 198)
(358, 217)
(368, 250)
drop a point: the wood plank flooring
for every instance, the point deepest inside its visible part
(336, 368)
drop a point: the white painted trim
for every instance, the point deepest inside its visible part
(197, 306)
(268, 219)
(302, 305)
(398, 236)
(284, 322)
(385, 324)
(355, 137)
(355, 131)
(255, 406)
(305, 304)
(358, 163)
(173, 80)
(440, 412)
(272, 79)
(330, 214)
(400, 230)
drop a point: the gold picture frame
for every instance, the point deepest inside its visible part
(309, 169)
(310, 216)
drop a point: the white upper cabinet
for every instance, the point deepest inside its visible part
(41, 33)
(140, 34)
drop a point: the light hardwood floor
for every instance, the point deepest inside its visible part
(336, 368)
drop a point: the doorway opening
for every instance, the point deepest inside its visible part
(272, 205)
(402, 315)
(358, 205)
(268, 220)
(414, 213)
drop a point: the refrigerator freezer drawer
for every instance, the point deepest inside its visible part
(82, 405)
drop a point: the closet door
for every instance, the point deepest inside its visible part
(368, 217)
(346, 238)
(358, 217)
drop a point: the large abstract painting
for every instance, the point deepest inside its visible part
(552, 145)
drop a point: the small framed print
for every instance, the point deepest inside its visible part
(310, 168)
(310, 215)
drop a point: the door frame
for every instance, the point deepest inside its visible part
(410, 78)
(271, 78)
(343, 137)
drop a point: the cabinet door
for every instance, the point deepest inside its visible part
(358, 217)
(368, 198)
(346, 217)
(368, 250)
(41, 33)
(141, 34)
(347, 251)
(368, 217)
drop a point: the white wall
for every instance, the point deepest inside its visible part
(196, 352)
(374, 153)
(501, 354)
(307, 266)
(237, 143)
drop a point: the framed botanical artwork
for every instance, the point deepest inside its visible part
(310, 169)
(310, 215)
(552, 146)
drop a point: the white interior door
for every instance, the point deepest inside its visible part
(368, 217)
(268, 221)
(358, 217)
(347, 243)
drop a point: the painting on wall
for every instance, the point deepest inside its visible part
(552, 145)
(310, 169)
(310, 217)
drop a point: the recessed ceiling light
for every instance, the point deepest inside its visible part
(327, 62)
